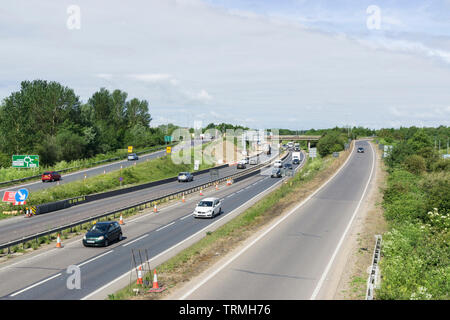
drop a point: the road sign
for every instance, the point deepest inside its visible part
(169, 150)
(196, 164)
(130, 149)
(312, 152)
(9, 196)
(25, 161)
(167, 138)
(21, 195)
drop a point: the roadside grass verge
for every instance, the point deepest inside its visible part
(198, 257)
(152, 170)
(415, 262)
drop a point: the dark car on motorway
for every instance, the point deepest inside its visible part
(50, 176)
(102, 234)
(360, 150)
(276, 173)
(288, 166)
(133, 157)
(296, 161)
(185, 177)
(241, 165)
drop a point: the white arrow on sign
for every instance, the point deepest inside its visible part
(21, 195)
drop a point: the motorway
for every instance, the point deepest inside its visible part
(18, 227)
(292, 257)
(44, 276)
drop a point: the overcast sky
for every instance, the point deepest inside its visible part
(294, 64)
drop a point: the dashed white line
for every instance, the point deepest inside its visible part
(95, 258)
(137, 239)
(167, 225)
(35, 285)
(186, 216)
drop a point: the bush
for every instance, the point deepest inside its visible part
(441, 165)
(331, 142)
(414, 164)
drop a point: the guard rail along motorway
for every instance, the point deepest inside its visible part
(138, 206)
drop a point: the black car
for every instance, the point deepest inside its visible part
(288, 166)
(360, 150)
(185, 176)
(276, 173)
(102, 234)
(296, 161)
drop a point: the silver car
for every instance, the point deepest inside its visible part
(185, 177)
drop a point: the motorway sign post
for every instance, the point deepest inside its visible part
(130, 149)
(9, 196)
(20, 196)
(168, 150)
(168, 139)
(312, 152)
(25, 161)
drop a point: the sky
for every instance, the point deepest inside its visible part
(294, 64)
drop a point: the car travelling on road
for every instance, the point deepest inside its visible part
(360, 150)
(133, 156)
(254, 161)
(50, 176)
(276, 173)
(241, 165)
(208, 208)
(288, 166)
(278, 164)
(102, 234)
(185, 177)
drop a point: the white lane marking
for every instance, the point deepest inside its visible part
(137, 239)
(264, 233)
(126, 274)
(327, 269)
(35, 285)
(190, 214)
(95, 258)
(167, 225)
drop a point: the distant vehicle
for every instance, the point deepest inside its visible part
(297, 145)
(185, 177)
(278, 164)
(296, 148)
(102, 234)
(288, 166)
(276, 173)
(360, 150)
(254, 160)
(290, 144)
(208, 208)
(241, 165)
(132, 156)
(50, 176)
(267, 149)
(296, 157)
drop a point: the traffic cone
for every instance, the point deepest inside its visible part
(154, 208)
(58, 242)
(155, 287)
(228, 182)
(121, 219)
(139, 279)
(104, 171)
(201, 193)
(217, 186)
(182, 199)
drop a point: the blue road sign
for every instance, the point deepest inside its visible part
(21, 195)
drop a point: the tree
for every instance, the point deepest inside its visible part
(330, 142)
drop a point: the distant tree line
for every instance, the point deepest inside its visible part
(49, 119)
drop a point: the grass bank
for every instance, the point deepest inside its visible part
(195, 259)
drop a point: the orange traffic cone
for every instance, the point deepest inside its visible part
(228, 182)
(58, 242)
(217, 186)
(182, 199)
(121, 219)
(154, 208)
(155, 287)
(201, 193)
(139, 279)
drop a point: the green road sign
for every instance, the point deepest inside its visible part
(167, 138)
(25, 161)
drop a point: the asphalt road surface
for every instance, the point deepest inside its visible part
(44, 276)
(291, 260)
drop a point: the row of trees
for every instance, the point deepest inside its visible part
(49, 119)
